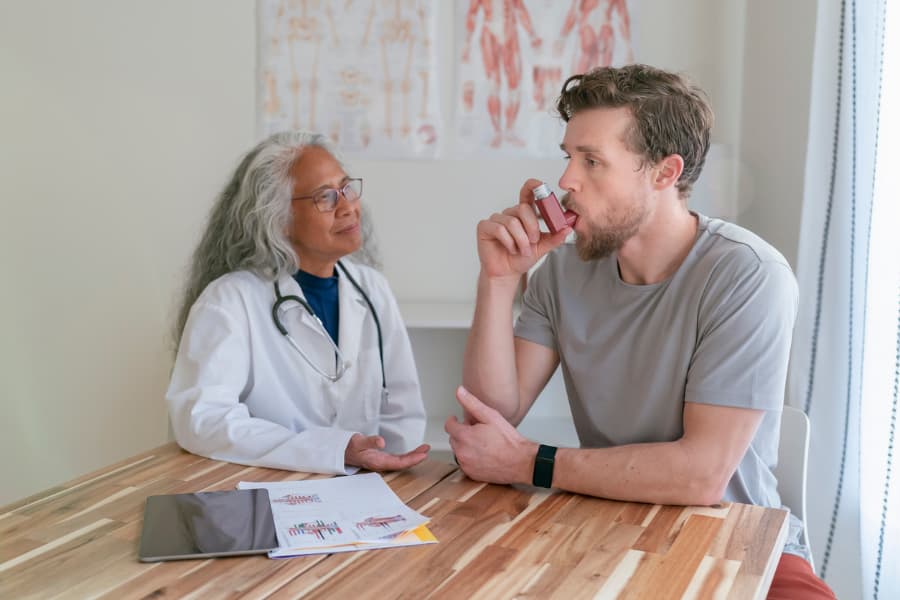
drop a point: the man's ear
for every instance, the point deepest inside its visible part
(667, 171)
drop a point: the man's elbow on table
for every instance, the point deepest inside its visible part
(714, 443)
(703, 489)
(706, 478)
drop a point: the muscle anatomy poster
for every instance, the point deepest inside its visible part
(362, 72)
(513, 57)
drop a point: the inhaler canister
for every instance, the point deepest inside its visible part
(550, 209)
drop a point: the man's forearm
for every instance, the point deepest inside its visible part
(694, 469)
(659, 473)
(489, 365)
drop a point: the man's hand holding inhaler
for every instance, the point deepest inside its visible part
(509, 244)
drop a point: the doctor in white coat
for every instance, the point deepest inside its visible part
(290, 355)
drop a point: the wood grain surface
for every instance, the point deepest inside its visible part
(80, 540)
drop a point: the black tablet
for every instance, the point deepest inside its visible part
(206, 524)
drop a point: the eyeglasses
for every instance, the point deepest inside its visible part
(326, 200)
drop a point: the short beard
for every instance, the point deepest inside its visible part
(601, 241)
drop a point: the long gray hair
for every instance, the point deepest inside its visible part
(246, 228)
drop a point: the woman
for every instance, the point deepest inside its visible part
(258, 378)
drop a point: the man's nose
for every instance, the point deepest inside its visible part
(568, 181)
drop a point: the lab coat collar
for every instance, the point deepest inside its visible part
(352, 309)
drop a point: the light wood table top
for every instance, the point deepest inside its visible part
(80, 540)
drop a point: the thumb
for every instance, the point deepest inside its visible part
(372, 442)
(478, 410)
(551, 241)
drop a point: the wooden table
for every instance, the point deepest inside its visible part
(80, 540)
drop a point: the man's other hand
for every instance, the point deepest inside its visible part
(486, 446)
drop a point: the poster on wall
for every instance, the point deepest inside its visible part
(362, 72)
(513, 57)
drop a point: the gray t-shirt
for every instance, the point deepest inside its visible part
(718, 331)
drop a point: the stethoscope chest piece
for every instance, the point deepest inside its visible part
(341, 365)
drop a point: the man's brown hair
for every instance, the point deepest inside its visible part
(671, 115)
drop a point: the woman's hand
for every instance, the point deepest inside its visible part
(367, 452)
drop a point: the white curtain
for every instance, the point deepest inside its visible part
(846, 354)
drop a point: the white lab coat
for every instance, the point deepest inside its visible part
(241, 393)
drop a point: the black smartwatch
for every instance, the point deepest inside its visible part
(543, 466)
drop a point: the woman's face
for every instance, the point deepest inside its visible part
(321, 238)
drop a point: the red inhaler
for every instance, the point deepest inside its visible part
(550, 209)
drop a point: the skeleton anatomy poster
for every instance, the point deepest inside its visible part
(363, 72)
(514, 55)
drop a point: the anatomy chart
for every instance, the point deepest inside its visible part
(513, 57)
(362, 72)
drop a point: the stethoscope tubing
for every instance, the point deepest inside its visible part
(340, 367)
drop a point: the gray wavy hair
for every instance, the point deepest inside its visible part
(246, 228)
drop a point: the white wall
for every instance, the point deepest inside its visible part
(777, 75)
(119, 123)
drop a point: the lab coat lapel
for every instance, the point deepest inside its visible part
(353, 311)
(293, 314)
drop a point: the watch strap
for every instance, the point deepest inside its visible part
(543, 466)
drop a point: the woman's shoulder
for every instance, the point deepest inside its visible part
(374, 284)
(232, 287)
(366, 276)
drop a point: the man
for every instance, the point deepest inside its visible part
(672, 329)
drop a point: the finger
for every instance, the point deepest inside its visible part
(456, 448)
(408, 460)
(480, 412)
(423, 449)
(551, 241)
(416, 453)
(526, 194)
(516, 229)
(415, 459)
(452, 426)
(370, 442)
(529, 218)
(382, 461)
(496, 231)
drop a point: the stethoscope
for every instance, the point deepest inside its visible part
(341, 365)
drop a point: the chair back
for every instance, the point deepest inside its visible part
(793, 451)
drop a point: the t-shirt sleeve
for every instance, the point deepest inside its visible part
(535, 322)
(745, 324)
